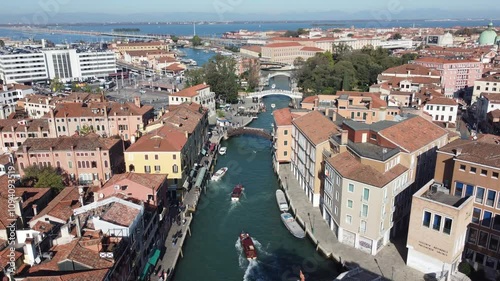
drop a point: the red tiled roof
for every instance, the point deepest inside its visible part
(485, 150)
(351, 168)
(252, 48)
(87, 143)
(31, 194)
(120, 214)
(283, 117)
(309, 99)
(88, 275)
(147, 180)
(442, 101)
(413, 69)
(191, 91)
(444, 61)
(5, 214)
(62, 206)
(413, 133)
(283, 45)
(312, 49)
(165, 139)
(316, 127)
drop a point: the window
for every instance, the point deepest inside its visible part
(366, 194)
(285, 132)
(105, 163)
(486, 219)
(351, 187)
(479, 195)
(494, 175)
(156, 156)
(490, 198)
(436, 224)
(348, 219)
(496, 222)
(285, 143)
(337, 195)
(427, 219)
(349, 204)
(373, 136)
(472, 236)
(476, 215)
(146, 157)
(93, 164)
(70, 164)
(175, 169)
(336, 211)
(174, 156)
(79, 165)
(458, 189)
(364, 211)
(473, 170)
(469, 191)
(447, 225)
(285, 153)
(484, 172)
(147, 169)
(483, 239)
(157, 168)
(362, 227)
(493, 245)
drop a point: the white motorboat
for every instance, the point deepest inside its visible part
(222, 150)
(292, 225)
(273, 105)
(281, 199)
(219, 174)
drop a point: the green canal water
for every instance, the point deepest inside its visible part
(213, 252)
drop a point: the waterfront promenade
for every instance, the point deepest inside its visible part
(389, 263)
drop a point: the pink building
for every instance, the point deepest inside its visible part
(87, 160)
(456, 74)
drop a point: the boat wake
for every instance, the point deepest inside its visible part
(252, 269)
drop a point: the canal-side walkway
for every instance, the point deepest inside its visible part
(174, 250)
(388, 263)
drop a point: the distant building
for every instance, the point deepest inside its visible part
(199, 94)
(11, 93)
(443, 40)
(489, 84)
(288, 52)
(15, 132)
(442, 110)
(486, 103)
(282, 132)
(251, 51)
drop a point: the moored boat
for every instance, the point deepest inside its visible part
(292, 225)
(219, 174)
(280, 198)
(222, 150)
(273, 105)
(248, 246)
(237, 192)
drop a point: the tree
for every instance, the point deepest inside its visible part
(194, 76)
(196, 41)
(85, 130)
(174, 38)
(37, 176)
(2, 44)
(396, 36)
(56, 85)
(295, 33)
(252, 74)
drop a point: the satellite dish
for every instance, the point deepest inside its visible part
(38, 260)
(117, 187)
(101, 195)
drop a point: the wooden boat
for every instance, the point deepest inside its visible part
(292, 225)
(248, 246)
(273, 105)
(281, 199)
(222, 150)
(219, 174)
(237, 192)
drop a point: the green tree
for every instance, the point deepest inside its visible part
(87, 89)
(174, 38)
(252, 74)
(85, 130)
(196, 41)
(396, 36)
(2, 44)
(291, 33)
(340, 50)
(194, 76)
(56, 85)
(408, 57)
(36, 176)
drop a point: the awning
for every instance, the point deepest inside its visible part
(155, 257)
(145, 271)
(191, 174)
(200, 177)
(203, 151)
(186, 184)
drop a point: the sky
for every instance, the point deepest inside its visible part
(231, 6)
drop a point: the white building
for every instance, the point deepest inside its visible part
(199, 94)
(486, 103)
(442, 110)
(443, 40)
(22, 65)
(490, 84)
(32, 65)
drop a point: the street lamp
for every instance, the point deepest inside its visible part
(310, 222)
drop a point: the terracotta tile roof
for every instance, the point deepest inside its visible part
(492, 97)
(413, 133)
(5, 159)
(72, 251)
(444, 61)
(495, 113)
(291, 39)
(42, 226)
(62, 206)
(166, 60)
(485, 150)
(442, 101)
(88, 275)
(375, 99)
(252, 48)
(175, 67)
(283, 117)
(5, 259)
(145, 53)
(165, 139)
(6, 125)
(120, 214)
(315, 126)
(135, 44)
(146, 180)
(491, 78)
(312, 49)
(67, 143)
(191, 91)
(185, 117)
(283, 45)
(413, 69)
(309, 99)
(351, 168)
(30, 194)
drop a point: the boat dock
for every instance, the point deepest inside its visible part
(388, 263)
(174, 251)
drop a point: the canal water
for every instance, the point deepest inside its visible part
(213, 252)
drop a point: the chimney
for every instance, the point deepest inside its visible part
(5, 87)
(65, 231)
(35, 209)
(137, 101)
(458, 152)
(96, 196)
(344, 137)
(30, 252)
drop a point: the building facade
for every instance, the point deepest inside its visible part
(22, 66)
(490, 84)
(442, 110)
(199, 94)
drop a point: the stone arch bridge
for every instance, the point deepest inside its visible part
(231, 132)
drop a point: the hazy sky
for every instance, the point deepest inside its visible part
(233, 6)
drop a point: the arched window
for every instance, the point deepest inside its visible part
(87, 164)
(58, 128)
(79, 164)
(58, 164)
(175, 169)
(131, 168)
(105, 163)
(21, 165)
